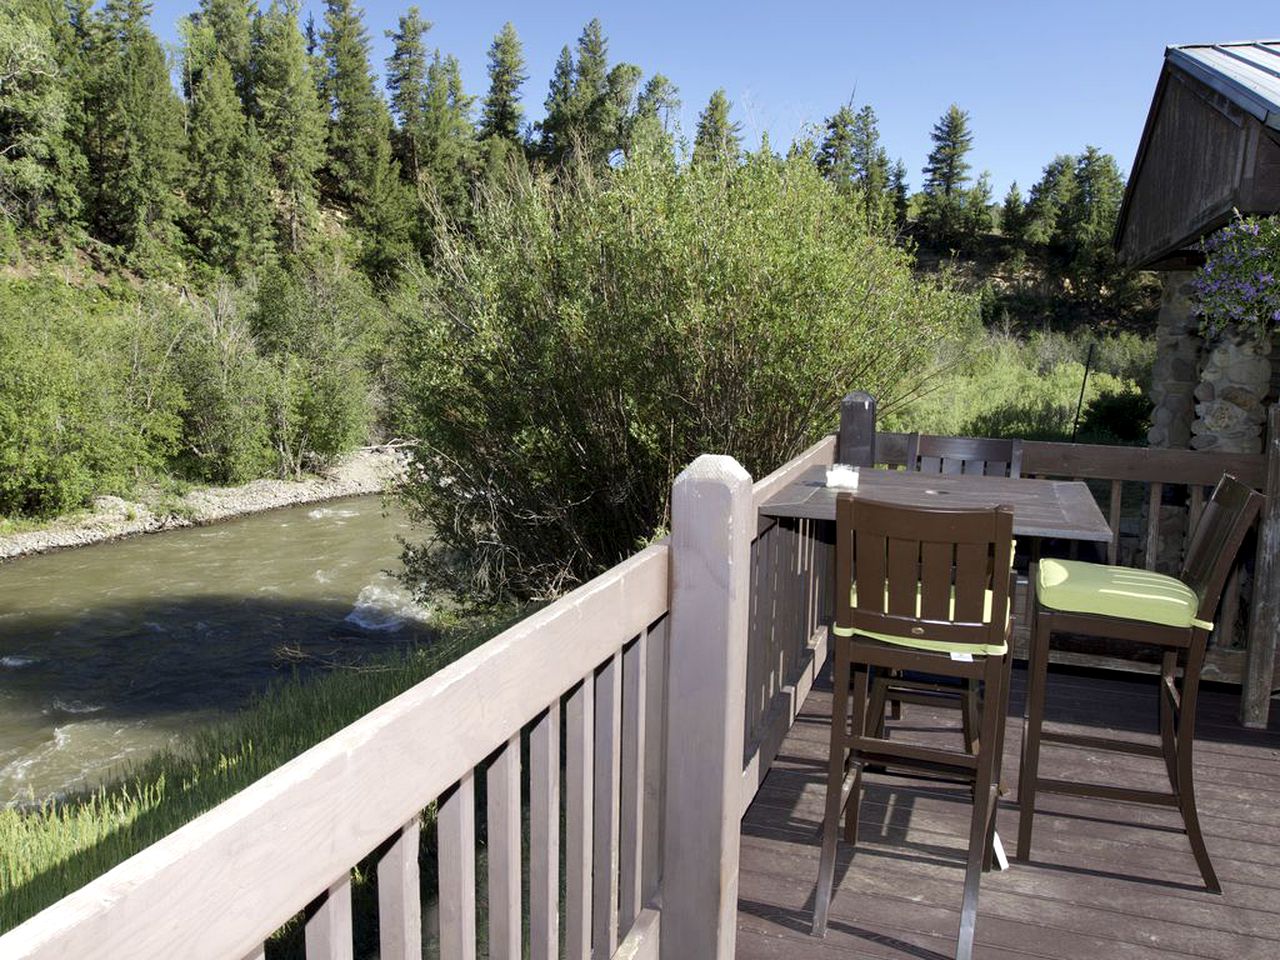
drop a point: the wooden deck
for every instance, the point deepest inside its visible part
(1107, 880)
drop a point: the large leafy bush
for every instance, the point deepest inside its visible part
(586, 337)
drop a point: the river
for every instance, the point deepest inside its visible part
(111, 652)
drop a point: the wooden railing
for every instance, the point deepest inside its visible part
(561, 722)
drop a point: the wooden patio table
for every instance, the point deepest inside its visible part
(1064, 509)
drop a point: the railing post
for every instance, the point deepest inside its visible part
(712, 525)
(1264, 612)
(856, 442)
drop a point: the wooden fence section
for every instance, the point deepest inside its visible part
(790, 605)
(1150, 487)
(593, 664)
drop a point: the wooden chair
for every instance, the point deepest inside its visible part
(945, 455)
(1147, 608)
(913, 587)
(960, 455)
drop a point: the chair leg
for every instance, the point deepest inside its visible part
(875, 712)
(853, 806)
(1001, 705)
(835, 784)
(1032, 721)
(1168, 739)
(969, 714)
(984, 800)
(1186, 786)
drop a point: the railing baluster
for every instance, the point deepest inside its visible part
(399, 897)
(544, 836)
(1114, 508)
(503, 808)
(328, 929)
(1197, 507)
(1153, 524)
(655, 761)
(631, 830)
(608, 770)
(457, 831)
(578, 776)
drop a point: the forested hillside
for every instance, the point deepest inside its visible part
(212, 257)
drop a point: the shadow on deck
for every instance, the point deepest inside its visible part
(1106, 880)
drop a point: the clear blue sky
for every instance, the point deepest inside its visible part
(1038, 78)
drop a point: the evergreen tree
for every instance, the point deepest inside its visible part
(617, 112)
(945, 174)
(290, 120)
(898, 192)
(359, 122)
(718, 139)
(1088, 220)
(228, 189)
(134, 134)
(590, 109)
(976, 219)
(229, 28)
(448, 149)
(555, 127)
(501, 114)
(1049, 197)
(1013, 216)
(407, 81)
(851, 157)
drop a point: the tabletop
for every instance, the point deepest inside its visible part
(1041, 508)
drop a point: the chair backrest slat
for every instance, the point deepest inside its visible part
(1224, 522)
(952, 456)
(923, 571)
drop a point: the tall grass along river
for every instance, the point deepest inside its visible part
(112, 652)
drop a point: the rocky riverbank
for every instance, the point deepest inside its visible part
(369, 470)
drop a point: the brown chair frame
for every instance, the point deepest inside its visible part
(979, 456)
(1213, 548)
(975, 456)
(908, 564)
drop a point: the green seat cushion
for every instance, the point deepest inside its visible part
(1074, 586)
(924, 643)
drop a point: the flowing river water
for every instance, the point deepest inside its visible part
(111, 652)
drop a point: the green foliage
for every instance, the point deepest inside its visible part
(87, 396)
(32, 117)
(588, 336)
(997, 386)
(953, 215)
(851, 157)
(718, 139)
(407, 82)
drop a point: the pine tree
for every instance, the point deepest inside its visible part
(976, 218)
(229, 221)
(359, 122)
(718, 139)
(835, 153)
(1088, 220)
(590, 110)
(555, 127)
(945, 174)
(852, 158)
(449, 138)
(290, 119)
(898, 191)
(135, 135)
(616, 114)
(501, 114)
(407, 81)
(1049, 197)
(1013, 216)
(660, 99)
(229, 23)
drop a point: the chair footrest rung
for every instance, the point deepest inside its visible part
(1104, 792)
(1100, 743)
(871, 750)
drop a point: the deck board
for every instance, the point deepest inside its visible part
(1113, 880)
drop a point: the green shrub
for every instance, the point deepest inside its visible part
(586, 338)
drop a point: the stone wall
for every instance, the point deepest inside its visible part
(1175, 376)
(1234, 381)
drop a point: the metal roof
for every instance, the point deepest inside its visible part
(1247, 73)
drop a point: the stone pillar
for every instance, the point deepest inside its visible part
(1174, 375)
(1234, 381)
